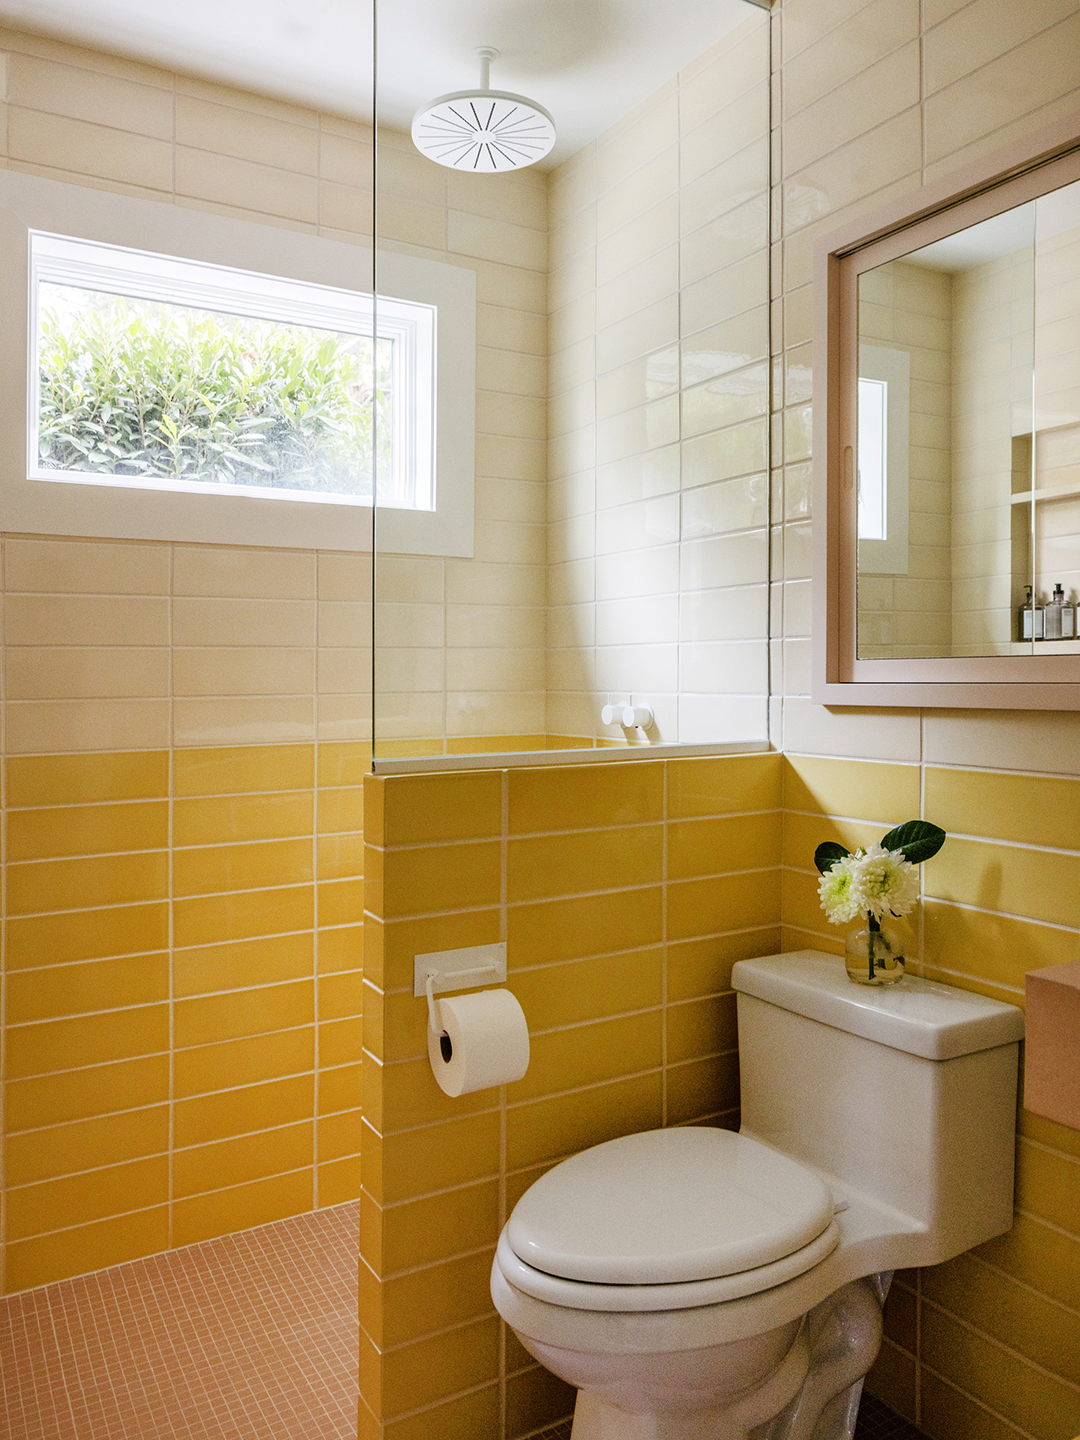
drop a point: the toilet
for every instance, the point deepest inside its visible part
(697, 1284)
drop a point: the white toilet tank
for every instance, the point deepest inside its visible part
(906, 1093)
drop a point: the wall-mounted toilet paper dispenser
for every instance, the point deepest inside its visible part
(478, 1040)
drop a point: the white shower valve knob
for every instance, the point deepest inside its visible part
(634, 716)
(611, 714)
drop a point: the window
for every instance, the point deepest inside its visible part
(163, 373)
(171, 395)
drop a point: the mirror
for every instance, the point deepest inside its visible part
(949, 459)
(944, 402)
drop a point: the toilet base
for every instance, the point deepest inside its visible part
(812, 1395)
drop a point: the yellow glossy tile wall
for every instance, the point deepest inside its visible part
(987, 1342)
(182, 1016)
(604, 881)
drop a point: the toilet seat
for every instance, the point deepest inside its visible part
(667, 1220)
(686, 1295)
(669, 1207)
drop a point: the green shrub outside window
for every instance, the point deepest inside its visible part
(163, 392)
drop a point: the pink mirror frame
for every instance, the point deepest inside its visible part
(1020, 173)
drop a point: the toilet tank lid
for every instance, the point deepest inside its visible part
(938, 1022)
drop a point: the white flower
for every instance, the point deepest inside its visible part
(876, 882)
(841, 898)
(888, 883)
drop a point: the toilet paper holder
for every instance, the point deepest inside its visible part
(434, 1024)
(430, 972)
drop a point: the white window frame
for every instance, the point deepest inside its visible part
(243, 254)
(116, 270)
(892, 368)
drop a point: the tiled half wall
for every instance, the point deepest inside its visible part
(625, 893)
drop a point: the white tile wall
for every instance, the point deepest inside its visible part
(667, 211)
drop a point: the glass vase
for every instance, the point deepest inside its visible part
(874, 956)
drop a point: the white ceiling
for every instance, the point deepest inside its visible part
(587, 61)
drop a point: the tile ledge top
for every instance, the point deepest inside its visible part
(602, 755)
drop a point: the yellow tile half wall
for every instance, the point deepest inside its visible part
(625, 892)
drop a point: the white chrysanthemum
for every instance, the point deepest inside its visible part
(886, 882)
(841, 897)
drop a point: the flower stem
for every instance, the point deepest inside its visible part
(875, 929)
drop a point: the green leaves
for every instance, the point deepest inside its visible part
(916, 839)
(827, 854)
(137, 389)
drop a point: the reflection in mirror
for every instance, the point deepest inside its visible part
(946, 362)
(1053, 505)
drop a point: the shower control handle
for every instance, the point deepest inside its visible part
(630, 717)
(640, 716)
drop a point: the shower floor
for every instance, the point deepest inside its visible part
(250, 1337)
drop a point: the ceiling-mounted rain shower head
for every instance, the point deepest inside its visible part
(483, 130)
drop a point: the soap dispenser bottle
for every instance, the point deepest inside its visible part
(1068, 614)
(1031, 618)
(1052, 617)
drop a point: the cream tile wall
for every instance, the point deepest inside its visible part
(658, 563)
(460, 663)
(461, 643)
(909, 307)
(1057, 406)
(870, 100)
(993, 355)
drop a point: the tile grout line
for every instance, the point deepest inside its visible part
(315, 637)
(3, 938)
(504, 805)
(171, 936)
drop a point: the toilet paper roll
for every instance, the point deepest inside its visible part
(486, 1042)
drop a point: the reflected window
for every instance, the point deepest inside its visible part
(873, 463)
(883, 459)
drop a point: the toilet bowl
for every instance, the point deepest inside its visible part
(697, 1284)
(669, 1279)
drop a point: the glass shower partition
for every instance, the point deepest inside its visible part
(572, 427)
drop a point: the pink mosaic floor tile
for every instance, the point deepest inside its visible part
(250, 1337)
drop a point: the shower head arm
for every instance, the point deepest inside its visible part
(486, 55)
